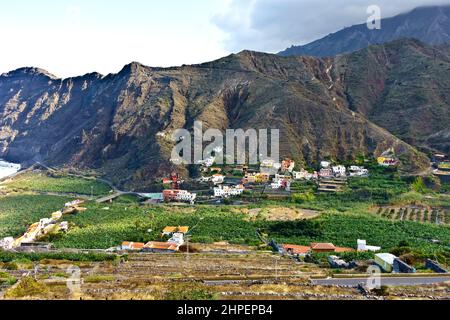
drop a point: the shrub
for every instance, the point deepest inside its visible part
(383, 291)
(419, 186)
(28, 287)
(189, 292)
(303, 197)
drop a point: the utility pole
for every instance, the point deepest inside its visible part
(276, 269)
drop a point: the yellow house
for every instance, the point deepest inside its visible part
(381, 160)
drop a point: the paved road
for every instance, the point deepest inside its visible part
(386, 281)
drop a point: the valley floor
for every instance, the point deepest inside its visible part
(230, 258)
(204, 276)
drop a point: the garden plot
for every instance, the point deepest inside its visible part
(420, 214)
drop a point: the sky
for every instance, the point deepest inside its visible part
(74, 37)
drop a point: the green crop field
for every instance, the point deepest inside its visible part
(345, 217)
(18, 212)
(42, 182)
(101, 228)
(444, 165)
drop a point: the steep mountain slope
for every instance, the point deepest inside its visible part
(430, 25)
(121, 124)
(404, 87)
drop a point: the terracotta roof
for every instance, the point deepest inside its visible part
(133, 245)
(323, 246)
(339, 249)
(176, 229)
(161, 246)
(296, 249)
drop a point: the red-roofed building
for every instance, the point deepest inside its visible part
(328, 247)
(316, 248)
(153, 246)
(134, 246)
(296, 250)
(323, 247)
(340, 250)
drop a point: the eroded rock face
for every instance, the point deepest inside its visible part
(121, 124)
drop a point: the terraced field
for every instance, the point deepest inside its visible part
(202, 276)
(415, 214)
(254, 275)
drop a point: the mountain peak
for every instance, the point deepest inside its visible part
(429, 24)
(133, 67)
(30, 71)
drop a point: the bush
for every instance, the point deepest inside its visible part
(27, 287)
(303, 197)
(383, 291)
(189, 292)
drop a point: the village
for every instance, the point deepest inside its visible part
(223, 185)
(271, 179)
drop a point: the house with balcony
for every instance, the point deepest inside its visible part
(179, 195)
(228, 191)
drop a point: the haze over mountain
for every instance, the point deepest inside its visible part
(121, 124)
(430, 25)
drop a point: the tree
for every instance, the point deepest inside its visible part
(419, 185)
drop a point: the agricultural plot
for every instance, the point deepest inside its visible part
(61, 184)
(415, 214)
(19, 211)
(104, 227)
(256, 275)
(206, 276)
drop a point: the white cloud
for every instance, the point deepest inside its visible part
(273, 25)
(80, 37)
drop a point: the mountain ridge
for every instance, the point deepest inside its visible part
(429, 24)
(120, 124)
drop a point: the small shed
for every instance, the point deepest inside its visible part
(385, 261)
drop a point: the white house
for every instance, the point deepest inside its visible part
(339, 171)
(204, 179)
(326, 173)
(56, 215)
(44, 222)
(227, 191)
(363, 247)
(74, 203)
(7, 243)
(356, 171)
(186, 196)
(218, 179)
(268, 163)
(385, 261)
(325, 164)
(208, 162)
(177, 238)
(302, 175)
(277, 184)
